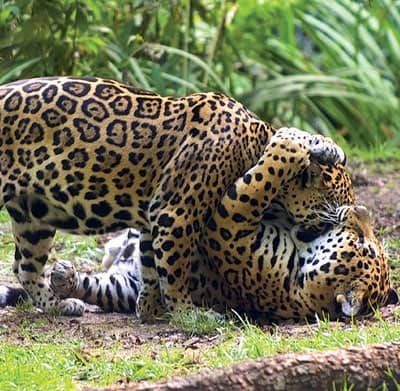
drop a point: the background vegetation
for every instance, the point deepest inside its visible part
(325, 66)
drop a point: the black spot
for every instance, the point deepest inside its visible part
(257, 242)
(145, 245)
(34, 237)
(28, 267)
(162, 271)
(93, 223)
(267, 186)
(165, 221)
(325, 267)
(286, 284)
(167, 245)
(231, 193)
(74, 189)
(178, 232)
(341, 269)
(39, 208)
(242, 233)
(135, 158)
(59, 194)
(225, 233)
(222, 211)
(326, 177)
(307, 235)
(16, 215)
(244, 198)
(124, 200)
(247, 179)
(26, 253)
(173, 258)
(101, 209)
(171, 279)
(238, 218)
(123, 215)
(69, 223)
(79, 211)
(212, 225)
(42, 259)
(258, 177)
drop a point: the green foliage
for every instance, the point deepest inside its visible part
(329, 67)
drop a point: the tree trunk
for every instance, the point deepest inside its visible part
(361, 366)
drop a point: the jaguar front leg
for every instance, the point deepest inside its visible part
(166, 274)
(150, 304)
(32, 243)
(239, 214)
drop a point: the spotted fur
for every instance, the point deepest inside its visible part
(294, 273)
(90, 156)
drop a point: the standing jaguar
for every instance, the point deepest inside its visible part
(90, 156)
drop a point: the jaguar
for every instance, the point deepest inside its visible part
(92, 156)
(295, 274)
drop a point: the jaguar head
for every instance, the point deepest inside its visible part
(345, 269)
(317, 188)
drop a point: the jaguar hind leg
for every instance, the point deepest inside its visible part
(32, 243)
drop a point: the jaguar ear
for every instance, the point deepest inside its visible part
(311, 174)
(392, 298)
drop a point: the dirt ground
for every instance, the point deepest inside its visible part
(377, 186)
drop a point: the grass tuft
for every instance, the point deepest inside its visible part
(201, 322)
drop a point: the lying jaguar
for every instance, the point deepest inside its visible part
(90, 156)
(297, 273)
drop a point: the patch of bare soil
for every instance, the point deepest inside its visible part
(377, 186)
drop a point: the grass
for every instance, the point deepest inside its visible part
(46, 366)
(81, 248)
(41, 367)
(378, 152)
(4, 217)
(200, 322)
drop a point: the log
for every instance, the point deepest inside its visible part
(361, 366)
